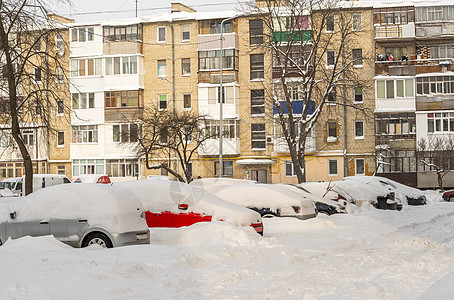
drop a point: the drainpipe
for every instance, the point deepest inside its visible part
(174, 101)
(344, 100)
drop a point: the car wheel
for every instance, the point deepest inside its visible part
(97, 238)
(268, 216)
(451, 198)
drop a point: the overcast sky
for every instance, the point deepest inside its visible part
(94, 10)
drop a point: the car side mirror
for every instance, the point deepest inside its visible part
(183, 206)
(13, 215)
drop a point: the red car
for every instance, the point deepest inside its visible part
(175, 204)
(93, 178)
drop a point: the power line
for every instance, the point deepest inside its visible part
(148, 9)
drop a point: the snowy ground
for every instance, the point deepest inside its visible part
(367, 254)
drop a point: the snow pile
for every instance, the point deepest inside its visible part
(7, 193)
(433, 196)
(160, 195)
(112, 207)
(206, 234)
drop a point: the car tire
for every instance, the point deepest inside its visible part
(97, 238)
(451, 199)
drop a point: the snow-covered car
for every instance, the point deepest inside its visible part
(95, 214)
(212, 185)
(448, 196)
(159, 177)
(269, 200)
(403, 193)
(176, 204)
(93, 178)
(358, 190)
(9, 183)
(323, 205)
(323, 189)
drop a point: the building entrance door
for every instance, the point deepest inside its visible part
(259, 175)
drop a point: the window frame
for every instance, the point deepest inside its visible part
(183, 31)
(60, 139)
(329, 167)
(356, 15)
(257, 66)
(185, 63)
(162, 67)
(361, 128)
(158, 34)
(289, 167)
(330, 23)
(328, 58)
(185, 102)
(357, 55)
(161, 101)
(363, 166)
(257, 96)
(254, 34)
(256, 136)
(227, 168)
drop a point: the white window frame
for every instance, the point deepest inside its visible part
(328, 66)
(356, 166)
(188, 26)
(60, 103)
(334, 23)
(190, 102)
(166, 101)
(287, 164)
(354, 23)
(359, 137)
(159, 68)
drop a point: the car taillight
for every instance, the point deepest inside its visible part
(297, 209)
(258, 228)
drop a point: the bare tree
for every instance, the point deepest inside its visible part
(437, 154)
(33, 68)
(309, 63)
(168, 133)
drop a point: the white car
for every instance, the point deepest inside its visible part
(177, 204)
(77, 215)
(212, 185)
(269, 200)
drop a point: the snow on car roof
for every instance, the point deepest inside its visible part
(104, 205)
(212, 185)
(319, 188)
(162, 195)
(89, 178)
(272, 196)
(359, 190)
(309, 195)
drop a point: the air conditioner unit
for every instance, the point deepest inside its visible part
(269, 139)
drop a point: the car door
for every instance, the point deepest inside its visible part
(69, 231)
(16, 229)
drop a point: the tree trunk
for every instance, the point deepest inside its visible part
(440, 181)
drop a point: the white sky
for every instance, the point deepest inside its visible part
(118, 9)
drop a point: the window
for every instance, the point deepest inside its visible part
(38, 74)
(59, 44)
(90, 33)
(359, 166)
(330, 58)
(257, 66)
(115, 99)
(161, 34)
(215, 27)
(434, 13)
(187, 101)
(123, 33)
(83, 100)
(162, 102)
(38, 110)
(441, 51)
(122, 168)
(440, 122)
(256, 32)
(116, 65)
(187, 134)
(435, 85)
(125, 133)
(289, 170)
(59, 74)
(84, 134)
(223, 94)
(332, 167)
(390, 89)
(211, 60)
(332, 96)
(359, 129)
(227, 168)
(60, 107)
(257, 102)
(82, 34)
(330, 23)
(357, 57)
(60, 139)
(358, 94)
(258, 137)
(186, 66)
(356, 22)
(27, 137)
(162, 71)
(185, 32)
(61, 170)
(88, 166)
(332, 131)
(129, 64)
(231, 129)
(396, 125)
(74, 35)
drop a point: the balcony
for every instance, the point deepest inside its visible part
(434, 29)
(281, 146)
(123, 114)
(395, 31)
(213, 41)
(211, 147)
(413, 66)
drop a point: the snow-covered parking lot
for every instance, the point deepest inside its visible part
(367, 254)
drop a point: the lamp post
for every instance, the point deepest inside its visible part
(221, 92)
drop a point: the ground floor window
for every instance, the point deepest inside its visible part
(289, 169)
(61, 170)
(122, 167)
(88, 166)
(227, 168)
(360, 166)
(332, 167)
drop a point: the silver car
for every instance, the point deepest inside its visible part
(79, 216)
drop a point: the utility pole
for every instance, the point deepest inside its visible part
(136, 7)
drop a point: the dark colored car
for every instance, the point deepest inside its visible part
(448, 196)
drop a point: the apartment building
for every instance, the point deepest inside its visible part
(413, 80)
